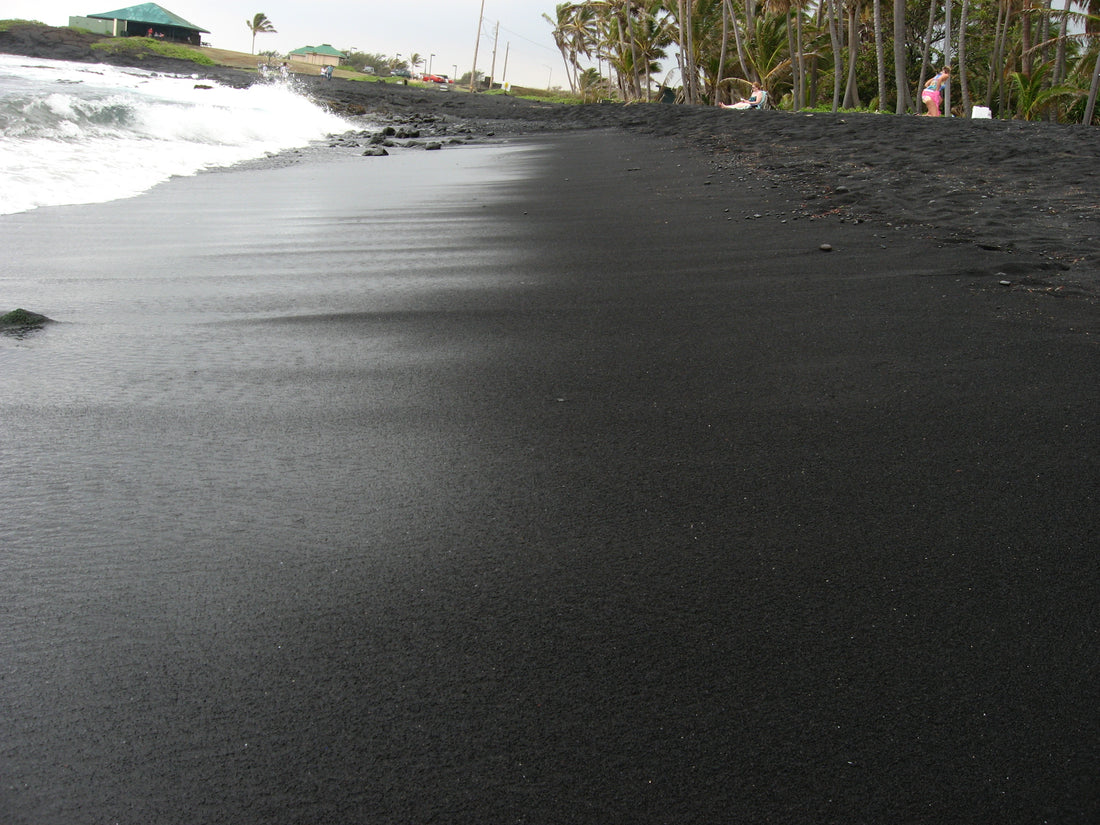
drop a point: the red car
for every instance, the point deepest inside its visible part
(436, 78)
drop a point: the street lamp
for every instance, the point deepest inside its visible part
(551, 68)
(430, 62)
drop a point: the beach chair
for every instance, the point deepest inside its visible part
(763, 104)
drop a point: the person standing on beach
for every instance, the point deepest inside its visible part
(932, 94)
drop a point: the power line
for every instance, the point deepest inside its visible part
(529, 40)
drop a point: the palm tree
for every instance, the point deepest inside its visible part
(589, 85)
(564, 13)
(259, 24)
(651, 33)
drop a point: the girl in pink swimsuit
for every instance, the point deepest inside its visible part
(931, 95)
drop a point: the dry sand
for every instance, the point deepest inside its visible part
(1027, 190)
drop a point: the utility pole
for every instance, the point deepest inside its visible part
(473, 71)
(493, 66)
(504, 74)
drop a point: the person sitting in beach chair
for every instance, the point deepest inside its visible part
(756, 100)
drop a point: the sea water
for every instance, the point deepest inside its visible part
(74, 133)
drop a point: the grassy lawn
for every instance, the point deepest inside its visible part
(141, 46)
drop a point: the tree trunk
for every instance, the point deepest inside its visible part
(901, 68)
(1025, 38)
(834, 37)
(926, 51)
(792, 50)
(1044, 31)
(964, 88)
(813, 77)
(947, 56)
(1003, 94)
(995, 63)
(718, 76)
(687, 52)
(1090, 104)
(681, 57)
(851, 91)
(737, 38)
(635, 75)
(880, 57)
(802, 97)
(1060, 54)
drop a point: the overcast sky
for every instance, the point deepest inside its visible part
(445, 28)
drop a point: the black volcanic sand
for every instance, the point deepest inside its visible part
(1014, 187)
(758, 532)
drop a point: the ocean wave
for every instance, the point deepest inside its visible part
(72, 135)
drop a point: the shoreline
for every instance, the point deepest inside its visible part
(1029, 189)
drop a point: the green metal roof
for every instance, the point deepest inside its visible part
(324, 48)
(148, 13)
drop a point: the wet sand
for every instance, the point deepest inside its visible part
(648, 510)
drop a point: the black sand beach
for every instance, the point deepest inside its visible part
(610, 498)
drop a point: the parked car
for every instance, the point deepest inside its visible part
(401, 73)
(436, 78)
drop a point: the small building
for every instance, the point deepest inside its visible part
(146, 20)
(323, 55)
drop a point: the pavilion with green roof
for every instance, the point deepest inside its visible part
(147, 19)
(323, 55)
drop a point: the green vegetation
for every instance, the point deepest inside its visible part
(7, 24)
(1019, 58)
(375, 78)
(526, 93)
(140, 47)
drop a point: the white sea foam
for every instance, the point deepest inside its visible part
(73, 133)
